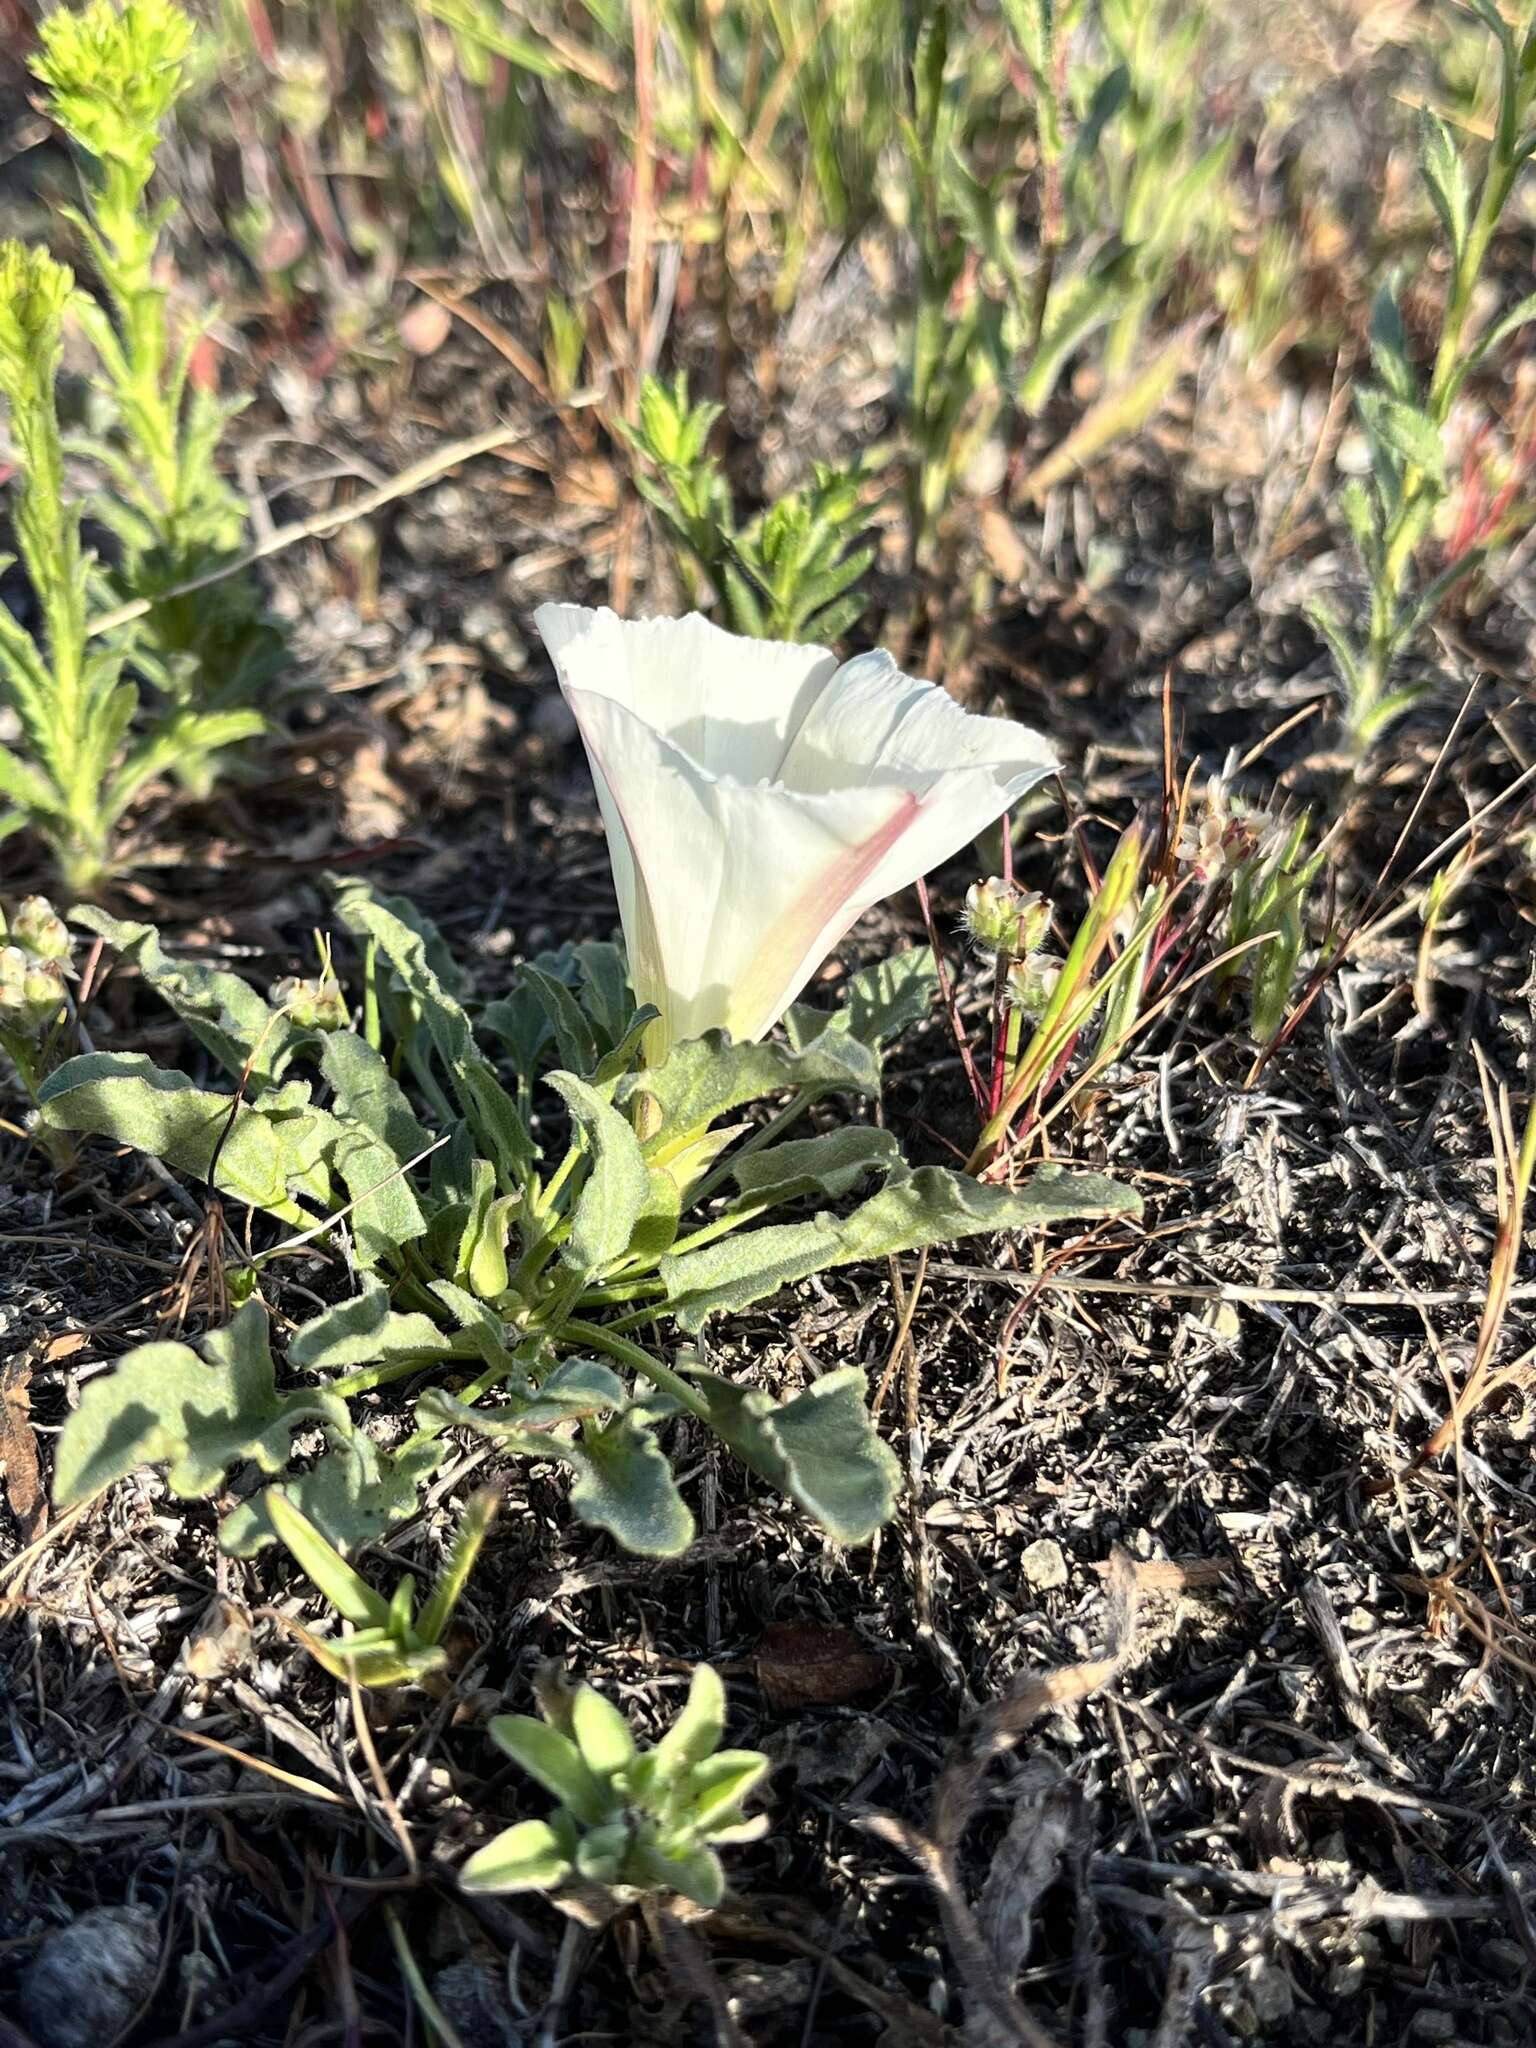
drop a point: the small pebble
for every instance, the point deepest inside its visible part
(1044, 1565)
(89, 1979)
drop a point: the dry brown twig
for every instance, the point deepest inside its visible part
(993, 1732)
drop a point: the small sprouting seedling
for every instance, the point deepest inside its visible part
(636, 1820)
(1439, 893)
(688, 490)
(391, 1643)
(792, 572)
(1270, 890)
(788, 574)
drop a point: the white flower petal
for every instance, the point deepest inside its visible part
(758, 800)
(874, 724)
(724, 890)
(731, 705)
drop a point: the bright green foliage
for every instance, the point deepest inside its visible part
(1127, 186)
(494, 1279)
(114, 72)
(788, 574)
(389, 1642)
(1404, 415)
(68, 695)
(637, 1820)
(91, 745)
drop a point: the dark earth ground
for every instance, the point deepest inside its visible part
(1300, 1809)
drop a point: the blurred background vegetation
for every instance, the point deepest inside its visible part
(921, 263)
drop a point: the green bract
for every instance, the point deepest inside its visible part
(638, 1820)
(528, 1300)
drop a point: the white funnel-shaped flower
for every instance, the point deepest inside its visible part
(758, 798)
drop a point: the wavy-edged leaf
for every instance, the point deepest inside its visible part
(879, 1004)
(1445, 175)
(163, 1405)
(367, 1093)
(621, 1479)
(1408, 433)
(703, 1079)
(222, 1012)
(352, 1494)
(828, 1165)
(928, 1207)
(572, 1030)
(365, 1330)
(499, 1129)
(820, 1449)
(125, 1096)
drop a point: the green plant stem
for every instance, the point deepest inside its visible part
(602, 1338)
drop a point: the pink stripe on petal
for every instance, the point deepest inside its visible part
(813, 924)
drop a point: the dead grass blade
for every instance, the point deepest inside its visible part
(1514, 1167)
(320, 524)
(992, 1733)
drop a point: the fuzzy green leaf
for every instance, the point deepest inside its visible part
(880, 1003)
(125, 1096)
(499, 1130)
(617, 1188)
(819, 1449)
(162, 1405)
(715, 1787)
(222, 1012)
(601, 1731)
(621, 1479)
(828, 1165)
(352, 1495)
(365, 1330)
(928, 1207)
(529, 1857)
(1408, 433)
(553, 1761)
(696, 1732)
(703, 1079)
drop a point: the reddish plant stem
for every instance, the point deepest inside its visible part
(947, 998)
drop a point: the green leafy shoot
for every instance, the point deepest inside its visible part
(788, 574)
(1404, 415)
(113, 72)
(387, 1642)
(629, 1819)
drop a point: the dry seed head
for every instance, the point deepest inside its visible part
(1222, 834)
(1032, 983)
